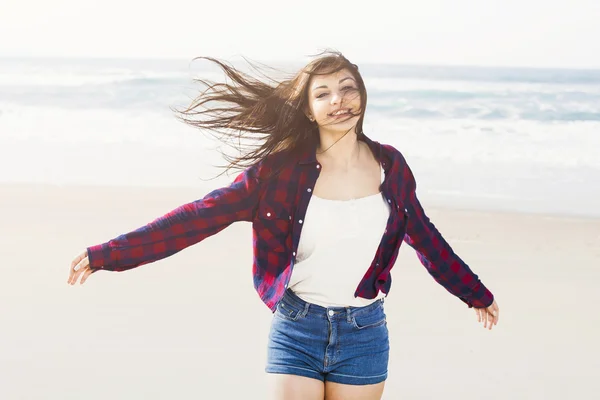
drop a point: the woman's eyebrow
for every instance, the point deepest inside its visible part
(341, 80)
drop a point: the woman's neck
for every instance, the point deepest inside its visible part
(339, 149)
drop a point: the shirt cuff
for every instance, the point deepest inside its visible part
(481, 297)
(99, 256)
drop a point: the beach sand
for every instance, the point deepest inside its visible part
(192, 326)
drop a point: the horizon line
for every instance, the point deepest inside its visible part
(300, 61)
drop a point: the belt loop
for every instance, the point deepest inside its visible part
(306, 306)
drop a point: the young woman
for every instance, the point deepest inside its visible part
(329, 209)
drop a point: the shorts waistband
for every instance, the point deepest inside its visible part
(304, 307)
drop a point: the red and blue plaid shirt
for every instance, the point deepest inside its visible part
(276, 205)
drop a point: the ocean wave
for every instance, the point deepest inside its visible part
(466, 93)
(485, 113)
(420, 93)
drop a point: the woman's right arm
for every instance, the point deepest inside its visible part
(180, 228)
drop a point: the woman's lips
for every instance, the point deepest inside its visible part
(343, 114)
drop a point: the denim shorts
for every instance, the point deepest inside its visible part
(347, 345)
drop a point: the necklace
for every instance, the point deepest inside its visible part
(321, 152)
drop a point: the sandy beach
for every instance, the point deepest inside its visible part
(192, 326)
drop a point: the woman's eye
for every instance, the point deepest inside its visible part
(344, 89)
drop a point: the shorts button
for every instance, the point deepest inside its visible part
(331, 313)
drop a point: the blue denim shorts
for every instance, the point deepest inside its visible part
(348, 345)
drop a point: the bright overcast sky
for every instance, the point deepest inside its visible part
(551, 33)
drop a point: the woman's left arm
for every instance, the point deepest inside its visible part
(436, 255)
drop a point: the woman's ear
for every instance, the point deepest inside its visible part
(308, 114)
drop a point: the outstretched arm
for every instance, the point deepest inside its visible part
(436, 254)
(180, 228)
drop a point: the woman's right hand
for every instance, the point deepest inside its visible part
(80, 267)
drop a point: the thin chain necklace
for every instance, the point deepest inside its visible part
(321, 152)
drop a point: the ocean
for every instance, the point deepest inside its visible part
(513, 139)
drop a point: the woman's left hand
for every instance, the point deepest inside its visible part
(489, 315)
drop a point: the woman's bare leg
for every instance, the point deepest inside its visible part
(337, 391)
(294, 387)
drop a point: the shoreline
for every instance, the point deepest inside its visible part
(429, 202)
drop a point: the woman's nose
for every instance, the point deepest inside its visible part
(335, 98)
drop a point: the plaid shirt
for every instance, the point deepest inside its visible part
(276, 207)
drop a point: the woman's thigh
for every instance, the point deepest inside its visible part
(294, 387)
(338, 391)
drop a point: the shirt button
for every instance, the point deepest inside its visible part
(294, 253)
(300, 221)
(318, 166)
(331, 313)
(290, 217)
(389, 201)
(268, 214)
(309, 190)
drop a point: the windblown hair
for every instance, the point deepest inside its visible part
(261, 117)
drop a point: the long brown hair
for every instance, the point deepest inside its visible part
(260, 117)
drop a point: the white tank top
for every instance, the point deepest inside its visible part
(337, 245)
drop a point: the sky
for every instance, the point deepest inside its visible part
(527, 33)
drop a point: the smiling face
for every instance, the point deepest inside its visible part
(334, 101)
